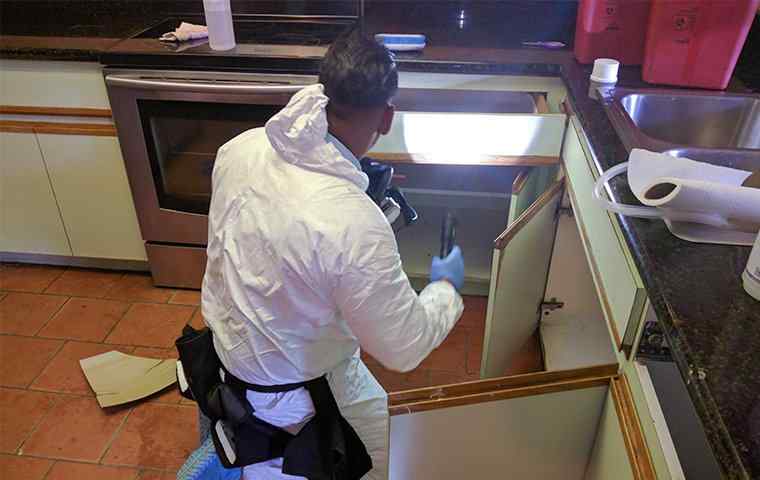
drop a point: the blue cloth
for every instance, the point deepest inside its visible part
(450, 268)
(204, 464)
(343, 150)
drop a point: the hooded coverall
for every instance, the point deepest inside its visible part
(303, 269)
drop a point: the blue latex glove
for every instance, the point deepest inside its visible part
(450, 268)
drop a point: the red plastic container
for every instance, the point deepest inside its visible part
(611, 29)
(695, 43)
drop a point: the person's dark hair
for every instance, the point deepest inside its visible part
(358, 72)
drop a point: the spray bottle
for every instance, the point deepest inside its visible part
(221, 35)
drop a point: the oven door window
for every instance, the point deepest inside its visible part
(182, 140)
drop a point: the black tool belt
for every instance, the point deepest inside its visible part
(326, 448)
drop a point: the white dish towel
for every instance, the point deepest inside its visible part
(185, 31)
(700, 202)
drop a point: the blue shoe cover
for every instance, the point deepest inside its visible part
(204, 464)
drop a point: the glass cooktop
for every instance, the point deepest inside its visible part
(271, 30)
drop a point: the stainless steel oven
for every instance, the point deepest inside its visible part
(170, 125)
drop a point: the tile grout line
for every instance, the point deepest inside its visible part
(63, 270)
(36, 427)
(50, 319)
(60, 347)
(50, 469)
(35, 457)
(115, 434)
(116, 323)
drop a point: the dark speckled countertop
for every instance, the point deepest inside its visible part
(71, 29)
(712, 325)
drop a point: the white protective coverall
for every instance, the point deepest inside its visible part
(303, 268)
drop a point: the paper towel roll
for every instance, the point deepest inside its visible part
(725, 204)
(691, 191)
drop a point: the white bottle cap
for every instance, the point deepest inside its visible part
(605, 70)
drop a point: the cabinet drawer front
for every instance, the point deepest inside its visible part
(620, 289)
(53, 84)
(30, 220)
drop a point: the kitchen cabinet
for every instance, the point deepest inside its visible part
(608, 457)
(545, 275)
(30, 221)
(48, 84)
(617, 281)
(87, 173)
(483, 168)
(537, 428)
(65, 191)
(552, 88)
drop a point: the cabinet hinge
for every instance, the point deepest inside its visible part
(548, 306)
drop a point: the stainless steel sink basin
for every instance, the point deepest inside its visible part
(739, 159)
(661, 119)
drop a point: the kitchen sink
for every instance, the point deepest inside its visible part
(740, 159)
(663, 119)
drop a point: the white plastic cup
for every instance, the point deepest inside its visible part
(221, 34)
(751, 275)
(605, 70)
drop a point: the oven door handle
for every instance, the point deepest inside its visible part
(131, 81)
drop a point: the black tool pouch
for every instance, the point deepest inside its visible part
(326, 448)
(198, 370)
(240, 438)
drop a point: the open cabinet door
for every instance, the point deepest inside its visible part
(521, 259)
(538, 428)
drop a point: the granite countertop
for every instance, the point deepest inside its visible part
(70, 29)
(712, 325)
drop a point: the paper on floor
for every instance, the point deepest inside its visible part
(118, 378)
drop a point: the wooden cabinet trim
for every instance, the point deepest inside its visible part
(518, 185)
(495, 384)
(540, 100)
(93, 129)
(635, 443)
(503, 240)
(55, 111)
(495, 395)
(443, 159)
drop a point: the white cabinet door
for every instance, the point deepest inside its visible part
(29, 218)
(520, 266)
(544, 436)
(618, 284)
(91, 185)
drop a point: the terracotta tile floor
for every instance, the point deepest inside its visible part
(52, 428)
